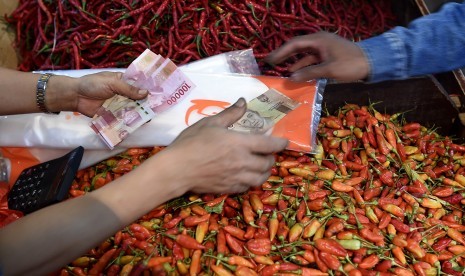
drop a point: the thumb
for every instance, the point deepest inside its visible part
(230, 115)
(120, 87)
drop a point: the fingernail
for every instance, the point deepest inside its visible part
(143, 92)
(240, 102)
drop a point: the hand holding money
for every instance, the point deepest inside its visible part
(89, 92)
(166, 85)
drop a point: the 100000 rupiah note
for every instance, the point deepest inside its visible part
(166, 84)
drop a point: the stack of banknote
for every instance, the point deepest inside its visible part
(167, 85)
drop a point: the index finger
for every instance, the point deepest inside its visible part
(294, 46)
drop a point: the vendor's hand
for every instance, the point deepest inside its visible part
(331, 56)
(209, 158)
(92, 90)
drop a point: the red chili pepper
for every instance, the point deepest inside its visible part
(102, 262)
(195, 220)
(250, 232)
(76, 193)
(447, 268)
(455, 198)
(187, 241)
(235, 231)
(233, 203)
(216, 201)
(235, 246)
(173, 222)
(270, 270)
(330, 246)
(400, 226)
(259, 247)
(369, 262)
(221, 242)
(320, 264)
(411, 127)
(330, 260)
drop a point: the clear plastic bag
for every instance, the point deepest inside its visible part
(235, 62)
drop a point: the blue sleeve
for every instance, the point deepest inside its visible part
(430, 44)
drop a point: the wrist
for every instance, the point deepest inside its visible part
(139, 191)
(174, 183)
(61, 94)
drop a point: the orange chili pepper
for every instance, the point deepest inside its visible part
(245, 271)
(201, 231)
(239, 261)
(455, 235)
(393, 209)
(256, 203)
(399, 254)
(248, 213)
(414, 247)
(195, 266)
(295, 232)
(306, 174)
(288, 164)
(198, 210)
(341, 187)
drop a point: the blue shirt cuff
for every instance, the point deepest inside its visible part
(387, 57)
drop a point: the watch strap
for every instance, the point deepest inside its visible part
(41, 90)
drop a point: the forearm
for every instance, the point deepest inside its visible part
(431, 44)
(52, 237)
(18, 93)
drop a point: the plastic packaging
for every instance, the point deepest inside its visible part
(236, 62)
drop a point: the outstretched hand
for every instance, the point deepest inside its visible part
(94, 89)
(330, 56)
(209, 158)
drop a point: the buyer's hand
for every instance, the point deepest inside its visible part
(209, 158)
(330, 56)
(92, 90)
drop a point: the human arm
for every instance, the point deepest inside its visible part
(430, 44)
(206, 157)
(85, 94)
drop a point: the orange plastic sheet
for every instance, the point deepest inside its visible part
(299, 126)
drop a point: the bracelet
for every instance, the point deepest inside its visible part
(40, 95)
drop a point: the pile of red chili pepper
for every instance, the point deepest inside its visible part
(381, 197)
(75, 34)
